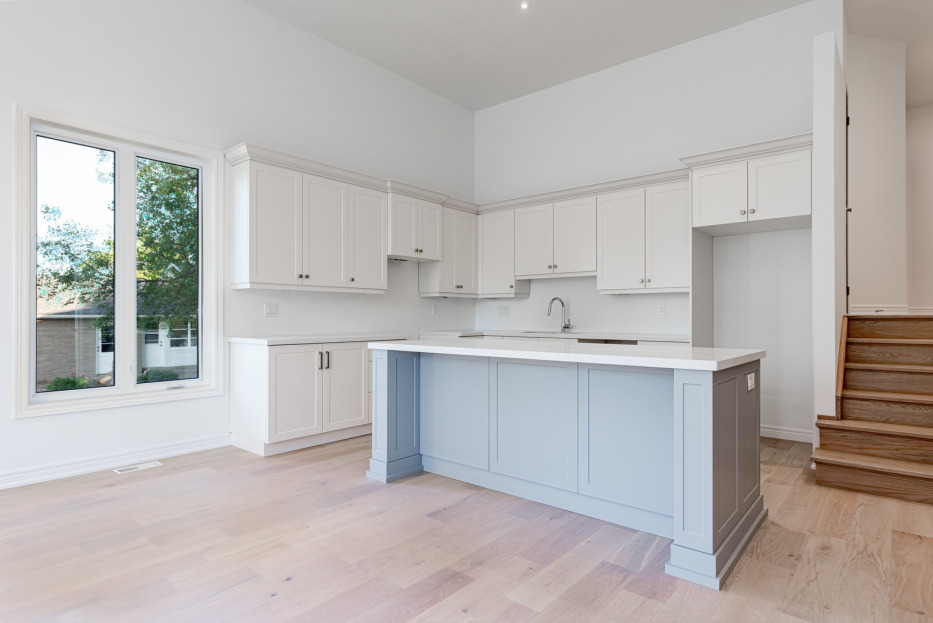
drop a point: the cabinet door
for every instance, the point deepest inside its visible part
(575, 235)
(779, 185)
(430, 234)
(403, 226)
(720, 194)
(345, 390)
(295, 396)
(497, 252)
(275, 225)
(448, 265)
(621, 246)
(466, 253)
(667, 230)
(326, 231)
(367, 253)
(534, 240)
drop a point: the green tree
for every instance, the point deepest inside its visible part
(76, 263)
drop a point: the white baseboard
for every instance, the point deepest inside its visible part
(880, 310)
(111, 461)
(280, 447)
(788, 434)
(926, 311)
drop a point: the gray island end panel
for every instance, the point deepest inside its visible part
(663, 440)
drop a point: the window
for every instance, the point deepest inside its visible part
(117, 286)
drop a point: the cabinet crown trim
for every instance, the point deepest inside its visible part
(417, 192)
(766, 148)
(583, 191)
(246, 151)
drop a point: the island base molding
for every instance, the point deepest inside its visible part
(671, 452)
(711, 570)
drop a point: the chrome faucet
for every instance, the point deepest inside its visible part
(564, 316)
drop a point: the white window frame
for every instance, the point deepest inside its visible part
(128, 144)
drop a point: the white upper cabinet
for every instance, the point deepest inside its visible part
(326, 212)
(455, 274)
(644, 239)
(720, 194)
(556, 239)
(268, 215)
(414, 229)
(296, 230)
(621, 244)
(497, 256)
(753, 188)
(667, 236)
(575, 236)
(534, 240)
(367, 238)
(779, 186)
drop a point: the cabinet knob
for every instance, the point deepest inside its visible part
(641, 281)
(649, 281)
(352, 278)
(511, 286)
(555, 265)
(549, 266)
(752, 211)
(741, 211)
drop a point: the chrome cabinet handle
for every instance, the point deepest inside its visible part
(752, 211)
(741, 211)
(641, 281)
(649, 281)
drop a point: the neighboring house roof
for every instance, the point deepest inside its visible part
(49, 308)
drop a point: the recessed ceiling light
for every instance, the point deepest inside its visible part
(524, 6)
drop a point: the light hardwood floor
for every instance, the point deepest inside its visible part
(226, 536)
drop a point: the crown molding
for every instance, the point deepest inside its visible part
(584, 191)
(246, 151)
(742, 152)
(417, 192)
(463, 206)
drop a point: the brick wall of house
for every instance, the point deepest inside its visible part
(65, 346)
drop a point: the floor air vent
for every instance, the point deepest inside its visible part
(136, 468)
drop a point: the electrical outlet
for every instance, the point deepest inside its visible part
(750, 381)
(661, 309)
(270, 310)
(504, 310)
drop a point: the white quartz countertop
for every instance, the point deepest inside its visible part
(677, 357)
(573, 335)
(318, 339)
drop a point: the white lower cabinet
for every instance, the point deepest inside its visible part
(286, 397)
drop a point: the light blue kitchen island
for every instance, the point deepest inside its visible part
(663, 439)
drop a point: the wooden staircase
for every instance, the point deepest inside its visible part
(880, 440)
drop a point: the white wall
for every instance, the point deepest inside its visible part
(877, 85)
(589, 311)
(762, 298)
(747, 84)
(920, 208)
(828, 222)
(214, 73)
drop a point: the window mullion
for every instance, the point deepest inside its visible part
(125, 269)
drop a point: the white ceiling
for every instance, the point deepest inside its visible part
(910, 21)
(484, 52)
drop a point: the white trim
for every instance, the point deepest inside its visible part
(788, 434)
(246, 151)
(766, 148)
(401, 188)
(584, 191)
(110, 461)
(290, 445)
(926, 311)
(880, 310)
(211, 367)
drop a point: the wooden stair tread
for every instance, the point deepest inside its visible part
(887, 396)
(890, 367)
(884, 428)
(890, 340)
(872, 463)
(891, 317)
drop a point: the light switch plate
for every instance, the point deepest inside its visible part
(750, 381)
